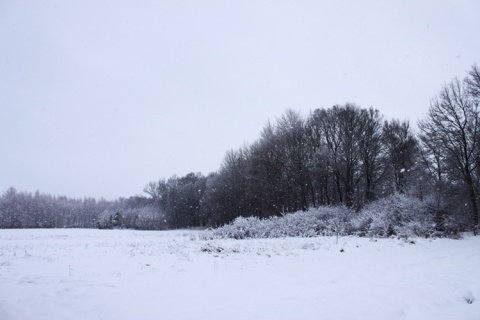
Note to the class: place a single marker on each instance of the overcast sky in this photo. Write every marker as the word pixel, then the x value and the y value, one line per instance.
pixel 97 98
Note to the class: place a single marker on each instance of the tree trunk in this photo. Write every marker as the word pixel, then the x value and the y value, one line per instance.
pixel 440 220
pixel 474 207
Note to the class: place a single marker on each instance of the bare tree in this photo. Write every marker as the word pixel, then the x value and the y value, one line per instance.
pixel 453 121
pixel 401 149
pixel 434 161
pixel 342 128
pixel 291 132
pixel 371 149
pixel 473 82
pixel 473 85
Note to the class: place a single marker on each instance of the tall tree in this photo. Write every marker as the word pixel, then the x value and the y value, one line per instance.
pixel 434 161
pixel 267 185
pixel 473 85
pixel 291 132
pixel 453 120
pixel 401 151
pixel 345 151
pixel 341 128
pixel 371 149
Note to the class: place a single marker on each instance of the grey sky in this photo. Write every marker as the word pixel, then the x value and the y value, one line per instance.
pixel 97 98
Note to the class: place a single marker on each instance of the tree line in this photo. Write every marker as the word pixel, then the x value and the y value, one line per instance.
pixel 27 210
pixel 345 155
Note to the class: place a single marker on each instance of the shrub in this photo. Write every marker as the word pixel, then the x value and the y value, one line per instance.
pixel 315 222
pixel 396 215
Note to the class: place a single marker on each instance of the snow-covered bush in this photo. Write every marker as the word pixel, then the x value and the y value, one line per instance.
pixel 108 220
pixel 144 218
pixel 315 222
pixel 397 215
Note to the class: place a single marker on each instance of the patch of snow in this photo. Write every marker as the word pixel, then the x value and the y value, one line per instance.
pixel 124 274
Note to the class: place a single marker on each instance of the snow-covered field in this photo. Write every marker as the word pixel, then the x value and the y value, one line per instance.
pixel 124 274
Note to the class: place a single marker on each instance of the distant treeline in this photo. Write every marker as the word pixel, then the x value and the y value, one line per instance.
pixel 27 210
pixel 341 156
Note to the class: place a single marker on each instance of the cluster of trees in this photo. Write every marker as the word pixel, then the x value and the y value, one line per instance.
pixel 27 210
pixel 181 199
pixel 341 156
pixel 344 155
pixel 450 148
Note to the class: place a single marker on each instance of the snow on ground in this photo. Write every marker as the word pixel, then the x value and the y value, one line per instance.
pixel 124 274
